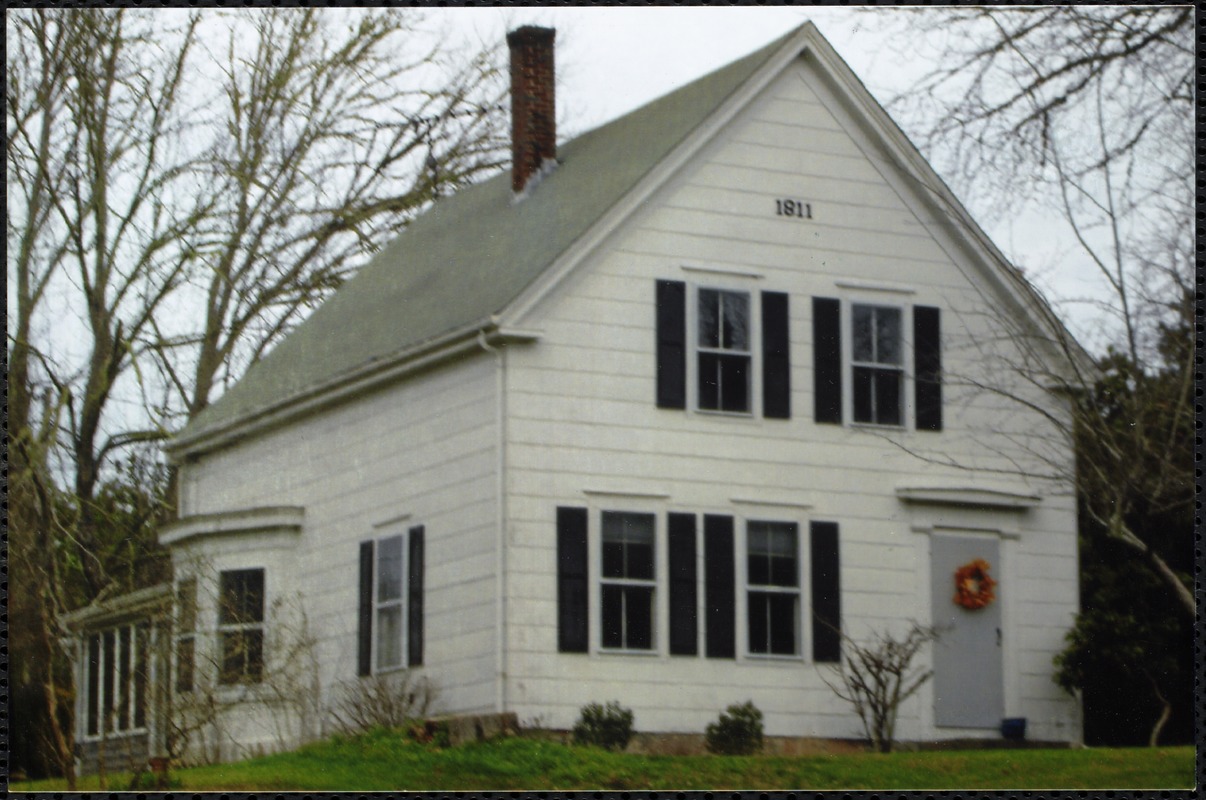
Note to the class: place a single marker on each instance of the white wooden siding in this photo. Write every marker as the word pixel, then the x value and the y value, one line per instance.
pixel 581 416
pixel 425 450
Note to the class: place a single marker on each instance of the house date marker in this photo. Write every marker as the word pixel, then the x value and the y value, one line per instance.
pixel 793 208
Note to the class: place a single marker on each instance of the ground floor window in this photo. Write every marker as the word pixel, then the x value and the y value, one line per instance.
pixel 773 578
pixel 115 680
pixel 241 626
pixel 627 590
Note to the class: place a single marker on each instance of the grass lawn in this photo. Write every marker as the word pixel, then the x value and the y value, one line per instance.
pixel 383 761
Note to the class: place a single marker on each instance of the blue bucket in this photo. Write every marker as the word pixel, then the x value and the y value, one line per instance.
pixel 1013 728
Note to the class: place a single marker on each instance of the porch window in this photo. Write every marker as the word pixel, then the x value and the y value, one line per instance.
pixel 115 680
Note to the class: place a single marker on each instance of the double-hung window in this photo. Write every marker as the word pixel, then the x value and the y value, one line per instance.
pixel 627 587
pixel 186 634
pixel 115 680
pixel 724 353
pixel 241 625
pixel 773 581
pixel 878 367
pixel 388 603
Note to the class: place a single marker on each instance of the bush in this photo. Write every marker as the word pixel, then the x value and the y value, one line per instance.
pixel 738 732
pixel 391 701
pixel 608 726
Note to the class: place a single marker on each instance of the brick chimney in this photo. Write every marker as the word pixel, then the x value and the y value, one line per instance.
pixel 533 104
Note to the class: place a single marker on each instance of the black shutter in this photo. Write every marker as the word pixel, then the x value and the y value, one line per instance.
pixel 571 580
pixel 364 636
pixel 684 624
pixel 776 359
pixel 414 604
pixel 927 361
pixel 827 359
pixel 719 594
pixel 826 593
pixel 671 344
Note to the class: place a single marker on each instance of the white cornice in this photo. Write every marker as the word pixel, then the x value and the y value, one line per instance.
pixel 138 604
pixel 266 519
pixel 371 376
pixel 968 496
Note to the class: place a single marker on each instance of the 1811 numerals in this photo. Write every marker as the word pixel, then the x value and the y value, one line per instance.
pixel 788 207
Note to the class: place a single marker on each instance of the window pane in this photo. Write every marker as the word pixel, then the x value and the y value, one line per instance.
pixel 759 641
pixel 94 669
pixel 242 656
pixel 186 606
pixel 887 396
pixel 709 381
pixel 863 408
pixel 759 568
pixel 638 601
pixel 887 335
pixel 736 321
pixel 782 623
pixel 863 338
pixel 123 679
pixel 734 383
pixel 242 597
pixel 772 553
pixel 628 545
pixel 389 568
pixel 107 654
pixel 255 655
pixel 389 637
pixel 709 318
pixel 185 659
pixel 141 651
pixel 613 616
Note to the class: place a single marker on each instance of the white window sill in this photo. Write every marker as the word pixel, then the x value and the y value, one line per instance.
pixel 620 651
pixel 878 426
pixel 112 735
pixel 712 412
pixel 774 658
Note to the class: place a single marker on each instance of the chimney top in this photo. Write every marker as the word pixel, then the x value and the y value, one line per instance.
pixel 533 104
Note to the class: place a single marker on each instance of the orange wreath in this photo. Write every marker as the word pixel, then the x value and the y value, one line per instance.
pixel 973 585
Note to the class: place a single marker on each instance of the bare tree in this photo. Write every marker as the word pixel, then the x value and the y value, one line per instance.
pixel 162 235
pixel 877 676
pixel 1087 111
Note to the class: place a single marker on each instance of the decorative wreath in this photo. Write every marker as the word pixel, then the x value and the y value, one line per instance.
pixel 974 586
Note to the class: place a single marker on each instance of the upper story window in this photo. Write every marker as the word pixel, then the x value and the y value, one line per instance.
pixel 773 580
pixel 724 350
pixel 241 625
pixel 628 582
pixel 877 364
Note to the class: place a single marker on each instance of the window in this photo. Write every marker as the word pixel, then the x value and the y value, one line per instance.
pixel 186 634
pixel 391 602
pixel 773 579
pixel 878 369
pixel 115 680
pixel 723 350
pixel 241 625
pixel 627 580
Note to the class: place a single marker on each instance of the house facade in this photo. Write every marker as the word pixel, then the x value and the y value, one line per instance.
pixel 664 416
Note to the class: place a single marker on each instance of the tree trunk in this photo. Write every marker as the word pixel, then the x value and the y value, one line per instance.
pixel 1185 600
pixel 1165 712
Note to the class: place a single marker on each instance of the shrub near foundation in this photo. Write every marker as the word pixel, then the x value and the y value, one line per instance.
pixel 738 732
pixel 607 726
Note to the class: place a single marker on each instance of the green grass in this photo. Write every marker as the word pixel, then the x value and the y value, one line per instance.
pixel 388 761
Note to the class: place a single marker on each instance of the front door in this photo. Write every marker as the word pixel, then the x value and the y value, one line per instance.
pixel 968 691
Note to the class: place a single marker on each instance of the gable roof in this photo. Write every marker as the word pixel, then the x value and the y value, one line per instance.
pixel 471 254
pixel 477 254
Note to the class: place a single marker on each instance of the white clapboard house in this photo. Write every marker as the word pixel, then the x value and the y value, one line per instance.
pixel 660 417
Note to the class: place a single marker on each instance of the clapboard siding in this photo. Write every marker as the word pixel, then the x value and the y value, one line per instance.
pixel 582 419
pixel 425 448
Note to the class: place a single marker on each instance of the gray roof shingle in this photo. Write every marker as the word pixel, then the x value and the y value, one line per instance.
pixel 473 253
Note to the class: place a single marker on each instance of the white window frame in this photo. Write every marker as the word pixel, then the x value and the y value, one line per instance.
pixel 401 603
pixel 225 628
pixel 737 283
pixel 106 709
pixel 881 298
pixel 652 584
pixel 751 588
pixel 185 634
